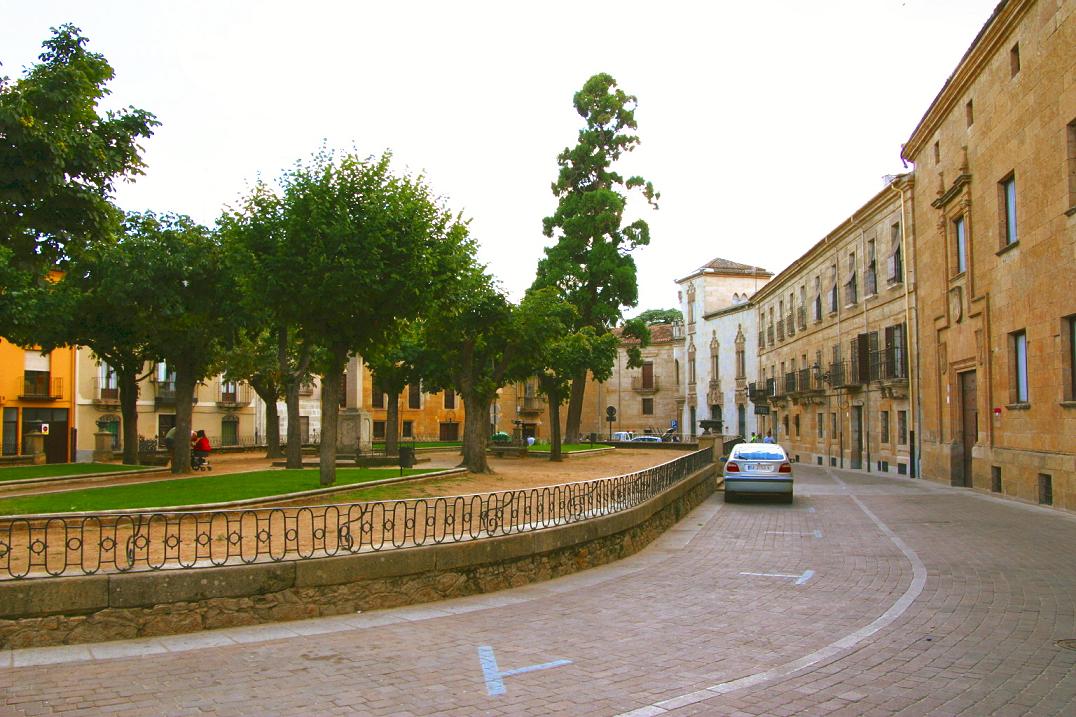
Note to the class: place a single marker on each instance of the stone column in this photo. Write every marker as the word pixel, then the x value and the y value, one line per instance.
pixel 713 440
pixel 102 447
pixel 33 444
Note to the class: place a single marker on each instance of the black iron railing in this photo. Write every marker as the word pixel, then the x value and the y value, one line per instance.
pixel 65 545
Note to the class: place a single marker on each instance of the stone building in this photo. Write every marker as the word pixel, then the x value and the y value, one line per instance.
pixel 223 409
pixel 995 199
pixel 719 345
pixel 423 416
pixel 835 352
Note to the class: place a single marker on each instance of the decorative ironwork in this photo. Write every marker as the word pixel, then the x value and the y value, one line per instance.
pixel 66 545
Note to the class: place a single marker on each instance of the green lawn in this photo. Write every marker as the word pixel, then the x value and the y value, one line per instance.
pixel 190 491
pixel 58 470
pixel 568 447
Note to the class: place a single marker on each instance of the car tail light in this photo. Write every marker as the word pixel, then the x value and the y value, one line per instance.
pixel 786 467
pixel 732 467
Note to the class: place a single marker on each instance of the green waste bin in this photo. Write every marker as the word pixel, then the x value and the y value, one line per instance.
pixel 407 456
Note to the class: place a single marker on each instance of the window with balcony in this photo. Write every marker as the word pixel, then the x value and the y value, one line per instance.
pixel 229 392
pixel 108 383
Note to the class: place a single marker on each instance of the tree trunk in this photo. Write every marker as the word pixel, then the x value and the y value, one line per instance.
pixel 128 385
pixel 295 432
pixel 268 392
pixel 330 417
pixel 554 430
pixel 575 407
pixel 184 400
pixel 392 425
pixel 475 434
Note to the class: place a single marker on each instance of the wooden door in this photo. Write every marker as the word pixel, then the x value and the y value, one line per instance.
pixel 648 375
pixel 857 436
pixel 969 427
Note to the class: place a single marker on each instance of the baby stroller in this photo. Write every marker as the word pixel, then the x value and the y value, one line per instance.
pixel 200 461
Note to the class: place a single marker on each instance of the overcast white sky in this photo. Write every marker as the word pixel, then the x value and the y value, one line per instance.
pixel 763 124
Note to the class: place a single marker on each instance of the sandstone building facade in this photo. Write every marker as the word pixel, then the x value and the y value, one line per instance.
pixel 995 199
pixel 836 356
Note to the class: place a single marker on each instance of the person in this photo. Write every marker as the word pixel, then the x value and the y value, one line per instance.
pixel 754 437
pixel 170 444
pixel 201 447
pixel 768 438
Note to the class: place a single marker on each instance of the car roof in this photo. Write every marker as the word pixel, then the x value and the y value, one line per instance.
pixel 758 448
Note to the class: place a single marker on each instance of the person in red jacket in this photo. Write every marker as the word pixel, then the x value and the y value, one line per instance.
pixel 201 449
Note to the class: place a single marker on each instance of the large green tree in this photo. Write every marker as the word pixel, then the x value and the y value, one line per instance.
pixel 254 235
pixel 475 341
pixel 59 160
pixel 393 365
pixel 660 316
pixel 359 252
pixel 187 297
pixel 590 264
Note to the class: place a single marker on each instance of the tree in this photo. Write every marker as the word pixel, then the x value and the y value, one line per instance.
pixel 590 264
pixel 59 159
pixel 393 364
pixel 255 238
pixel 185 295
pixel 660 316
pixel 253 358
pixel 358 253
pixel 475 341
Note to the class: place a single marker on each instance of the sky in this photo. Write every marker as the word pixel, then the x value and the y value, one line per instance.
pixel 763 124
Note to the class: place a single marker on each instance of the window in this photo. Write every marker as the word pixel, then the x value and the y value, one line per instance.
pixel 229 392
pixel 883 426
pixel 1072 164
pixel 377 400
pixel 820 425
pixel 1018 370
pixel 818 298
pixel 902 428
pixel 896 261
pixel 834 296
pixel 414 396
pixel 408 429
pixel 229 431
pixel 108 390
pixel 969 113
pixel 833 425
pixel 796 424
pixel 1014 60
pixel 450 399
pixel 1068 356
pixel 937 153
pixel 379 430
pixel 741 362
pixel 870 276
pixel 648 407
pixel 716 367
pixel 1007 201
pixel 691 367
pixel 676 368
pixel 960 245
pixel 851 288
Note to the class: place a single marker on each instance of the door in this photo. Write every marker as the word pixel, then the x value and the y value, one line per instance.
pixel 304 429
pixel 857 437
pixel 450 432
pixel 56 442
pixel 969 427
pixel 741 420
pixel 648 375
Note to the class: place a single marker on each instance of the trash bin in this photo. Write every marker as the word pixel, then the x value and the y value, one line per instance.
pixel 407 456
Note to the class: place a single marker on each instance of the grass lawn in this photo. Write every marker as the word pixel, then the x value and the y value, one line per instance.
pixel 568 447
pixel 57 470
pixel 190 491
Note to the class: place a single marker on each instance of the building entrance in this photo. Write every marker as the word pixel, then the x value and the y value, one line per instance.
pixel 857 437
pixel 969 428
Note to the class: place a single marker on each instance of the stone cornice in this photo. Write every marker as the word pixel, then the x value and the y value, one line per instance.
pixel 952 191
pixel 990 38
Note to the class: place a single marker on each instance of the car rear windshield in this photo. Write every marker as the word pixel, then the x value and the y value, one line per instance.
pixel 759 455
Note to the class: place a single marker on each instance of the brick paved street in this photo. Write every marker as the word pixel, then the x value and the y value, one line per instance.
pixel 867 596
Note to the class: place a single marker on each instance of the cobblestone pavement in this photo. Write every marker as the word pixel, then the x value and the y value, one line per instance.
pixel 867 596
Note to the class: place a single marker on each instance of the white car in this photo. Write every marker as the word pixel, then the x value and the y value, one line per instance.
pixel 758 468
pixel 623 436
pixel 646 438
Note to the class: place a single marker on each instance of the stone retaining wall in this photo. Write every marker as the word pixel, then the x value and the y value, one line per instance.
pixel 117 606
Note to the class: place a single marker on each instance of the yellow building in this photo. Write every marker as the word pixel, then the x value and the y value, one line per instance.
pixel 995 205
pixel 37 391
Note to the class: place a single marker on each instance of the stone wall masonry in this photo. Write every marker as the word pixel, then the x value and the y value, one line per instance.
pixel 122 606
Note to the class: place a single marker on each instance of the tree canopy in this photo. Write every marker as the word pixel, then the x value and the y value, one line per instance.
pixel 60 158
pixel 590 264
pixel 660 316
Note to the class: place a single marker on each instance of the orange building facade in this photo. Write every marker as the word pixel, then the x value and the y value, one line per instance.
pixel 37 394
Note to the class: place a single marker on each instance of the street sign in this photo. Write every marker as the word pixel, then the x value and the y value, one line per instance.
pixel 610 413
pixel 762 410
pixel 45 428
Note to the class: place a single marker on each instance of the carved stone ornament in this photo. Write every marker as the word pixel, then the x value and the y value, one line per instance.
pixel 956 303
pixel 943 358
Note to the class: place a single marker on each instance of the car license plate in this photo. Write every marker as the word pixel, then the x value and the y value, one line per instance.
pixel 751 467
pixel 759 467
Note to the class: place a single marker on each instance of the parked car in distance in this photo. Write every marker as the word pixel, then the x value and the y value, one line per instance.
pixel 758 469
pixel 623 436
pixel 648 438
